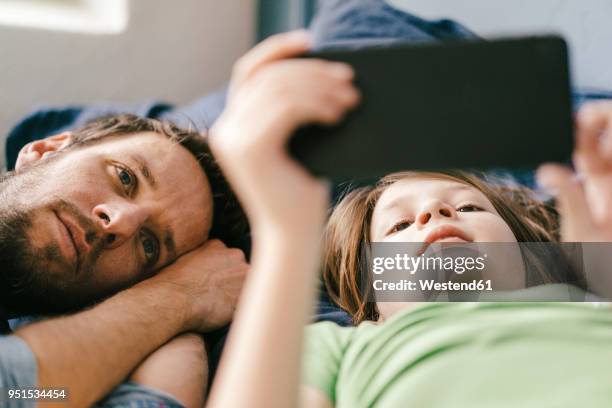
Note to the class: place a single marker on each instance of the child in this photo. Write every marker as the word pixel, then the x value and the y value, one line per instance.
pixel 484 208
pixel 437 354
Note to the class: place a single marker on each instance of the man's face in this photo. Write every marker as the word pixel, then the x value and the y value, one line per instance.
pixel 101 217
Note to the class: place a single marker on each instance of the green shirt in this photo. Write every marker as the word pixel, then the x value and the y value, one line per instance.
pixel 467 355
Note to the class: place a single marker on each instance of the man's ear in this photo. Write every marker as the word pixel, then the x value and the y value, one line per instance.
pixel 39 149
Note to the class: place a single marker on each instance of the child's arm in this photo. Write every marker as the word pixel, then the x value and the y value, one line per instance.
pixel 270 98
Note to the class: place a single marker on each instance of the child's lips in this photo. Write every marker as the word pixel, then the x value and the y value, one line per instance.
pixel 444 233
pixel 451 239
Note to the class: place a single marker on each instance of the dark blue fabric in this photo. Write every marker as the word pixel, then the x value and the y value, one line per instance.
pixel 200 114
pixel 18 370
pixel 46 122
pixel 582 96
pixel 38 125
pixel 364 23
pixel 328 312
pixel 134 395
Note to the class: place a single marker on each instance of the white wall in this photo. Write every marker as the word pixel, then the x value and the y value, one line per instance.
pixel 171 50
pixel 586 24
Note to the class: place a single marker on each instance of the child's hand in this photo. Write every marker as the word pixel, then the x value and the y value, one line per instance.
pixel 270 98
pixel 585 197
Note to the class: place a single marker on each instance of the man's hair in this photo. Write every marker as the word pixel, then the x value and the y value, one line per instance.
pixel 229 223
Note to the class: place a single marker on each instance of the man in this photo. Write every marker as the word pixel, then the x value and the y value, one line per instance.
pixel 93 211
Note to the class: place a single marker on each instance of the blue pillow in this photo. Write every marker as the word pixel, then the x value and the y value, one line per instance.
pixel 357 24
pixel 45 122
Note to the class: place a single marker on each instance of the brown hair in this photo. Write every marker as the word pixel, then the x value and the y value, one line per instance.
pixel 529 218
pixel 228 222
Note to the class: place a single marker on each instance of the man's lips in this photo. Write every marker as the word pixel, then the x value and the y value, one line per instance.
pixel 66 243
pixel 446 233
pixel 77 240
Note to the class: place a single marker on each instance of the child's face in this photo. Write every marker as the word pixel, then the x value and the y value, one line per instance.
pixel 426 209
pixel 420 209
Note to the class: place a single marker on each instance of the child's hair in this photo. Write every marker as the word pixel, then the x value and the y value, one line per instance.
pixel 531 220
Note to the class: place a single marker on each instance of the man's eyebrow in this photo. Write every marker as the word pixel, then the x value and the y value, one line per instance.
pixel 143 167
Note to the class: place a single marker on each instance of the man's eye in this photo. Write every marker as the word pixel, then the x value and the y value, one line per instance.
pixel 469 208
pixel 150 247
pixel 402 225
pixel 126 178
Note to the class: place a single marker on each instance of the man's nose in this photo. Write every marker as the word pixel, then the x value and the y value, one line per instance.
pixel 119 221
pixel 435 209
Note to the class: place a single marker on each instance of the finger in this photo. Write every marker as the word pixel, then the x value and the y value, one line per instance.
pixel 343 99
pixel 606 145
pixel 274 48
pixel 336 93
pixel 592 154
pixel 330 103
pixel 309 68
pixel 323 93
pixel 598 117
pixel 576 218
pixel 333 78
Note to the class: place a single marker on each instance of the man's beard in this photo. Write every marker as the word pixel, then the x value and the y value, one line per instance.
pixel 19 284
pixel 27 286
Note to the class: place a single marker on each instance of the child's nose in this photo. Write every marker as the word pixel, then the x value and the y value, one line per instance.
pixel 435 209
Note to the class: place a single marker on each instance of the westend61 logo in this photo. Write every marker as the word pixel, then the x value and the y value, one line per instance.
pixel 485 271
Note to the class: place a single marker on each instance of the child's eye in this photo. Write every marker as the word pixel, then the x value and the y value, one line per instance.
pixel 469 208
pixel 402 225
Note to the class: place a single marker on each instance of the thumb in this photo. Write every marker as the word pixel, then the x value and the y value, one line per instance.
pixel 560 181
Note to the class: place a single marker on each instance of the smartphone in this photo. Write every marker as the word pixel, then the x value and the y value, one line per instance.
pixel 503 103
